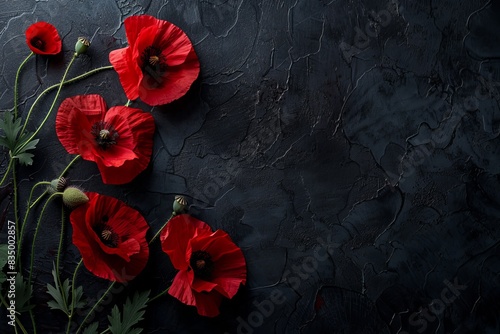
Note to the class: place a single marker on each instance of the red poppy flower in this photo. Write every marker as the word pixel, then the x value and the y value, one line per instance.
pixel 111 238
pixel 43 39
pixel 120 140
pixel 160 63
pixel 210 265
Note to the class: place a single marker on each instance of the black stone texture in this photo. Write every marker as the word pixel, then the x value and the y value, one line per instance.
pixel 350 148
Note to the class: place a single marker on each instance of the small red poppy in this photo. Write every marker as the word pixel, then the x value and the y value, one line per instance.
pixel 111 238
pixel 119 140
pixel 43 39
pixel 160 63
pixel 210 265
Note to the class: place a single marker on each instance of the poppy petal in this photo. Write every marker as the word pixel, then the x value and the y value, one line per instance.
pixel 132 129
pixel 73 123
pixel 176 236
pixel 207 304
pixel 180 239
pixel 177 79
pixel 173 64
pixel 129 257
pixel 181 288
pixel 43 39
pixel 229 263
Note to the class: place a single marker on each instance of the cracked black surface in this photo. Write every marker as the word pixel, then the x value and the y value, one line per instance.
pixel 348 147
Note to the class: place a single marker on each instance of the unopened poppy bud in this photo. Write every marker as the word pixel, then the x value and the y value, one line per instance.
pixel 180 205
pixel 57 185
pixel 73 197
pixel 82 44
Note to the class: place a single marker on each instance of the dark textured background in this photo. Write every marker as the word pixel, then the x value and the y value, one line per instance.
pixel 348 147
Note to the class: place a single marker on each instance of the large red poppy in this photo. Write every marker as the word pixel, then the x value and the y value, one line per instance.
pixel 43 39
pixel 210 265
pixel 119 140
pixel 111 238
pixel 160 63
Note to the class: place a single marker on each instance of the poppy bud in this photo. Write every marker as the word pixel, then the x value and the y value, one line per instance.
pixel 81 46
pixel 73 197
pixel 180 205
pixel 57 185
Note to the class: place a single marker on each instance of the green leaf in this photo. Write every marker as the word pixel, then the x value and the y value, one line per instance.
pixel 24 158
pixel 91 329
pixel 79 303
pixel 133 312
pixel 61 295
pixel 11 130
pixel 23 294
pixel 17 143
pixel 3 262
pixel 27 145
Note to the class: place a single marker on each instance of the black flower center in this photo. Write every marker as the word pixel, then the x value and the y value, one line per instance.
pixel 38 43
pixel 202 265
pixel 106 233
pixel 104 134
pixel 154 65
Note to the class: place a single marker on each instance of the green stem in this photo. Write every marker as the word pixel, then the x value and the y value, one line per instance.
pixel 38 199
pixel 23 224
pixel 4 302
pixel 94 307
pixel 159 295
pixel 36 233
pixel 69 165
pixel 61 236
pixel 32 316
pixel 11 162
pixel 73 283
pixel 128 103
pixel 16 83
pixel 51 107
pixel 158 233
pixel 48 89
pixel 30 206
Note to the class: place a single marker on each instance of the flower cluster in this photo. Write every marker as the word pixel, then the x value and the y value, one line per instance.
pixel 158 66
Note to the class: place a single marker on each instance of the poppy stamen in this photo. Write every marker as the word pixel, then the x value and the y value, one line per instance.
pixel 104 134
pixel 106 234
pixel 154 65
pixel 153 60
pixel 202 265
pixel 38 43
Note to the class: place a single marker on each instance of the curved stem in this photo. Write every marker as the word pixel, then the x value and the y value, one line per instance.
pixel 73 283
pixel 32 316
pixel 38 199
pixel 36 233
pixel 158 233
pixel 11 162
pixel 16 82
pixel 51 106
pixel 62 83
pixel 50 88
pixel 159 295
pixel 94 307
pixel 61 237
pixel 69 165
pixel 26 214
